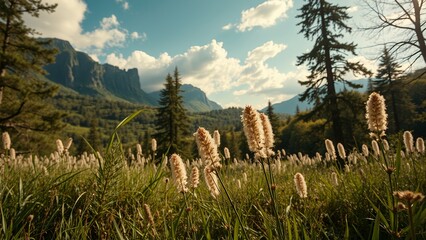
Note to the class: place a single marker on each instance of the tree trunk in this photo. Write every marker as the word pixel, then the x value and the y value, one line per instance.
pixel 331 90
pixel 418 29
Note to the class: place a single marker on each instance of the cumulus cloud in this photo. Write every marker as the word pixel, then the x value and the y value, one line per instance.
pixel 123 3
pixel 228 26
pixel 206 66
pixel 136 36
pixel 264 15
pixel 210 68
pixel 65 23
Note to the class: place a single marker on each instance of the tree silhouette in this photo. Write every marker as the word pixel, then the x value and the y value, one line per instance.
pixel 24 108
pixel 402 22
pixel 390 82
pixel 324 23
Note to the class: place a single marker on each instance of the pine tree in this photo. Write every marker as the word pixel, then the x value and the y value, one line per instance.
pixel 172 122
pixel 324 23
pixel 273 118
pixel 24 109
pixel 387 72
pixel 389 82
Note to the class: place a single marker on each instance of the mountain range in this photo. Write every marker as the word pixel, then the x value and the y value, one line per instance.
pixel 291 105
pixel 78 71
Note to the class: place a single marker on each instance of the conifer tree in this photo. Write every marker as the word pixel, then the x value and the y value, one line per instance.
pixel 23 96
pixel 172 122
pixel 273 118
pixel 389 83
pixel 324 23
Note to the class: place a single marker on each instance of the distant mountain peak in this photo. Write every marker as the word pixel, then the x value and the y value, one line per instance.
pixel 78 71
pixel 195 100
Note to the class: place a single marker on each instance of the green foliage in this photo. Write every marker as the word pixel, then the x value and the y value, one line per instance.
pixel 71 202
pixel 24 111
pixel 324 23
pixel 390 84
pixel 172 122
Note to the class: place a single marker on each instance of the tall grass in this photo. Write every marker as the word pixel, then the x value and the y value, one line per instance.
pixel 108 196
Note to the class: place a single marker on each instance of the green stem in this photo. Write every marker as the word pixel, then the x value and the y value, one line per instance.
pixel 389 173
pixel 410 219
pixel 271 193
pixel 232 204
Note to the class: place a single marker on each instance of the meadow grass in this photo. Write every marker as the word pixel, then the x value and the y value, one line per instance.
pixel 116 195
pixel 69 197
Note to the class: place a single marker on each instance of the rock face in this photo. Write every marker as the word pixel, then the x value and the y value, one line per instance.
pixel 194 99
pixel 78 71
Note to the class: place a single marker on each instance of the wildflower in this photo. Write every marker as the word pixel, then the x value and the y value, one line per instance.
pixel 376 114
pixel 330 149
pixel 408 142
pixel 269 134
pixel 179 172
pixel 409 196
pixel 341 150
pixel 6 140
pixel 139 149
pixel 385 145
pixel 68 144
pixel 12 154
pixel 365 150
pixel 59 146
pixel 195 177
pixel 207 148
pixel 420 145
pixel 226 152
pixel 299 182
pixel 253 131
pixel 211 181
pixel 153 145
pixel 245 177
pixel 401 206
pixel 334 179
pixel 375 147
pixel 149 214
pixel 216 137
pixel 347 168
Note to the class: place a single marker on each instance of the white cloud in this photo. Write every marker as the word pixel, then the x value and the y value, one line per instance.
pixel 65 23
pixel 353 9
pixel 228 26
pixel 207 67
pixel 210 68
pixel 264 15
pixel 125 4
pixel 136 36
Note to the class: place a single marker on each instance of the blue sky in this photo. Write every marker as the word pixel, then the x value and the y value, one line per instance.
pixel 240 52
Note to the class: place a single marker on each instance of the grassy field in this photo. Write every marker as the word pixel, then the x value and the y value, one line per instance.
pixel 376 192
pixel 93 197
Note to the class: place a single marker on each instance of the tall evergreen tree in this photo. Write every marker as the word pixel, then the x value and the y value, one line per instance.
pixel 273 118
pixel 324 23
pixel 24 110
pixel 387 72
pixel 172 122
pixel 389 82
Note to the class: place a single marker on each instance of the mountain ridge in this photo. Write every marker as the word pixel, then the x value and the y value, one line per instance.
pixel 76 70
